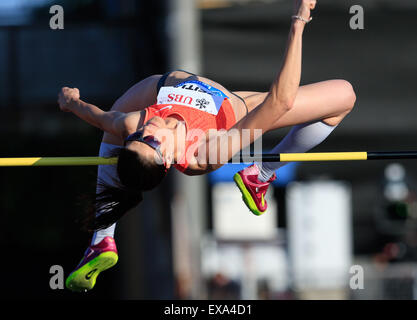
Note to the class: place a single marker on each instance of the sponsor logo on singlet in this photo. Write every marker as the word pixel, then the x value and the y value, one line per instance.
pixel 192 95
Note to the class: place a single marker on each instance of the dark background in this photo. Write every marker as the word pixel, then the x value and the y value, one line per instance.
pixel 107 46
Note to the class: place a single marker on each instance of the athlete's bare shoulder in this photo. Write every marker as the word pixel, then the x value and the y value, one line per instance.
pixel 129 123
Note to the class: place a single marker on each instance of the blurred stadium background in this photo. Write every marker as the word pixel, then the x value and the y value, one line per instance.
pixel 192 238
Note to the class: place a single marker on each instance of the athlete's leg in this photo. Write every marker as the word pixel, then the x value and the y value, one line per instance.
pixel 138 97
pixel 301 138
pixel 108 175
pixel 317 110
pixel 312 125
pixel 329 101
pixel 102 252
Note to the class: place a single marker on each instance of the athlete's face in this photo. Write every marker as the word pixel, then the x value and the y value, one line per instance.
pixel 169 132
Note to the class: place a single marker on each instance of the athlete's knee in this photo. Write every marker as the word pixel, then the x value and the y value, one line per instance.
pixel 347 94
pixel 346 98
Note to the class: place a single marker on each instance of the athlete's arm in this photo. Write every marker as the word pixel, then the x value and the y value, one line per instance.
pixel 277 102
pixel 114 122
pixel 136 98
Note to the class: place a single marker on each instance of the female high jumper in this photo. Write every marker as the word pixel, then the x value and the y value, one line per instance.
pixel 164 121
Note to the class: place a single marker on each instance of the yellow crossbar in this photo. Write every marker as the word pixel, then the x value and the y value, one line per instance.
pixel 57 161
pixel 324 156
pixel 266 157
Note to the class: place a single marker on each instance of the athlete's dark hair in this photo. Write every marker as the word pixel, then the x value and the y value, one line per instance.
pixel 136 175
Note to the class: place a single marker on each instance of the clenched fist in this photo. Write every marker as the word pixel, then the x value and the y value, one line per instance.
pixel 304 7
pixel 66 97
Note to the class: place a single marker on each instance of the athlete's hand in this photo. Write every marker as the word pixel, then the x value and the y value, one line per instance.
pixel 303 8
pixel 66 98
